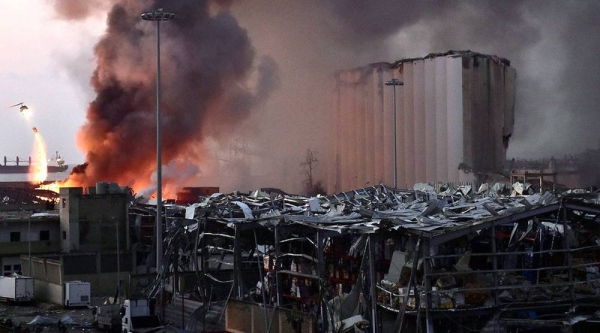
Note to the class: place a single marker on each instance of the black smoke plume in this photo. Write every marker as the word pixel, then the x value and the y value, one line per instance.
pixel 207 61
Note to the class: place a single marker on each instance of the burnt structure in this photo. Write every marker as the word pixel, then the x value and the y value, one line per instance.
pixel 382 259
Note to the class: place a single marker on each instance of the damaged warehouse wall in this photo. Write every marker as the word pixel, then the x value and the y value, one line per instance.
pixel 454 116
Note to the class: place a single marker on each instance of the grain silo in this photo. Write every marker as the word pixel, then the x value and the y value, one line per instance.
pixel 454 115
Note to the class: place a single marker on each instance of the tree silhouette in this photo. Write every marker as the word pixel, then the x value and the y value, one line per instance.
pixel 309 165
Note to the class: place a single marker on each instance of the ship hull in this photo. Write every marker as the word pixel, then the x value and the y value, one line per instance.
pixel 25 169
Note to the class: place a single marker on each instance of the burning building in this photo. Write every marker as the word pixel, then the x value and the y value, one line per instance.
pixel 453 115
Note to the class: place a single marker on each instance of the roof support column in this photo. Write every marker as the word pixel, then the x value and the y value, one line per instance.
pixel 428 295
pixel 568 252
pixel 372 285
pixel 237 267
pixel 495 263
pixel 321 274
pixel 277 265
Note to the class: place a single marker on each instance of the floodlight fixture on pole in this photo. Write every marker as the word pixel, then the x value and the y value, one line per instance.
pixel 394 83
pixel 157 16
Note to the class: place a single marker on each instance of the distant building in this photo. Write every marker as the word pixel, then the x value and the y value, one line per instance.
pixel 568 171
pixel 24 232
pixel 454 119
pixel 190 195
pixel 79 234
pixel 89 242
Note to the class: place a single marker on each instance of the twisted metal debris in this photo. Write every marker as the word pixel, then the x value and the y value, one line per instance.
pixel 222 239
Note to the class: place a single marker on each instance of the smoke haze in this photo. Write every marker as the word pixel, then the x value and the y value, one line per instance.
pixel 222 61
pixel 551 45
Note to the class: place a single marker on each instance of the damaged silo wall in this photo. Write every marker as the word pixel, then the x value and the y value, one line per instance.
pixel 489 100
pixel 454 109
pixel 362 132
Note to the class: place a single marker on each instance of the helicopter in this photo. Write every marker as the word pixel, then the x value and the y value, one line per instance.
pixel 22 107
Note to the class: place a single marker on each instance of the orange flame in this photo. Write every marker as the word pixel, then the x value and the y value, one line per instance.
pixel 55 187
pixel 38 170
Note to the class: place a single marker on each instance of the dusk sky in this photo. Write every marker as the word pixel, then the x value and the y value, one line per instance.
pixel 48 61
pixel 47 64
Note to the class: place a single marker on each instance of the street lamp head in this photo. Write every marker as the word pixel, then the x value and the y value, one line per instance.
pixel 158 15
pixel 394 82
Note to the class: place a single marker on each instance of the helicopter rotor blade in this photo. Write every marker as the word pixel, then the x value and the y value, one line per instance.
pixel 12 106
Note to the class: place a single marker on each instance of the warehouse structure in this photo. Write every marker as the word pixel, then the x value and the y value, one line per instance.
pixel 454 116
pixel 380 259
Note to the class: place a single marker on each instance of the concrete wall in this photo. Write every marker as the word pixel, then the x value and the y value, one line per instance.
pixel 101 272
pixel 99 269
pixel 100 216
pixel 48 278
pixel 92 222
pixel 489 99
pixel 37 247
pixel 360 130
pixel 48 292
pixel 69 217
pixel 101 285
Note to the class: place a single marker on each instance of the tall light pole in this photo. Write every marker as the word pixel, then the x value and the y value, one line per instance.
pixel 394 83
pixel 118 259
pixel 29 243
pixel 157 16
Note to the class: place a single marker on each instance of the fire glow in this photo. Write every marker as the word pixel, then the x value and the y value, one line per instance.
pixel 38 170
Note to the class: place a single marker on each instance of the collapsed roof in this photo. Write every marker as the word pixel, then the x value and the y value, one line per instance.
pixel 223 236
